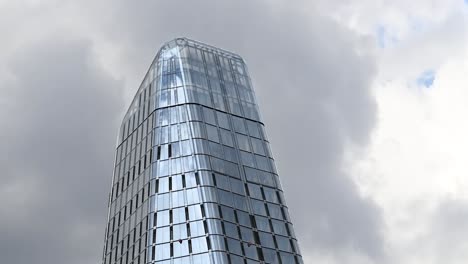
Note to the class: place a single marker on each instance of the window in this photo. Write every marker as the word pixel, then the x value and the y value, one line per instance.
pixel 237 186
pixel 257 145
pixel 209 116
pixel 214 226
pixel 163 117
pixel 177 199
pixel 223 120
pixel 169 151
pixel 230 154
pixel 194 212
pixel 174 133
pixel 162 235
pixel 239 202
pixel 185 148
pixel 174 115
pixel 180 231
pixel 262 223
pixel 283 243
pixel 262 163
pixel 271 256
pixel 197 129
pixel 197 228
pixel 180 248
pixel 184 131
pixel 192 196
pixel 243 142
pixel 162 218
pixel 226 137
pixel 234 246
pixel 216 149
pixel 270 195
pixel 164 135
pixel 163 201
pixel 239 125
pixel 212 132
pixel 228 214
pixel 190 180
pixel 246 234
pixel 275 211
pixel 177 182
pixel 175 149
pixel 225 198
pixel 199 246
pixel 247 159
pixel 243 218
pixel 218 101
pixel 258 207
pixel 231 230
pixel 279 227
pixel 164 152
pixel 287 258
pixel 163 185
pixel 222 182
pixel 163 251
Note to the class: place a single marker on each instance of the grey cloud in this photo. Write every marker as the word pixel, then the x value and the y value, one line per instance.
pixel 312 81
pixel 448 229
pixel 56 149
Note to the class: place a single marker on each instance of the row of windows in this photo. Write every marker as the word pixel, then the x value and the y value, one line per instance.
pixel 167 134
pixel 184 148
pixel 236 249
pixel 192 216
pixel 211 57
pixel 232 235
pixel 178 249
pixel 193 112
pixel 265 174
pixel 261 208
pixel 177 132
pixel 169 189
pixel 189 180
pixel 268 256
pixel 193 94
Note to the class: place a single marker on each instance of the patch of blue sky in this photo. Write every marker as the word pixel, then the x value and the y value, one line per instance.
pixel 426 78
pixel 380 32
pixel 384 37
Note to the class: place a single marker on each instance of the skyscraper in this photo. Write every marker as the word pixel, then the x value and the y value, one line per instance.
pixel 194 178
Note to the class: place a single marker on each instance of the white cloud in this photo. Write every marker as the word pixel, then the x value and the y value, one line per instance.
pixel 417 157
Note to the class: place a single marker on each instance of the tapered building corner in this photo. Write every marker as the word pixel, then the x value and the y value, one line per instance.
pixel 194 178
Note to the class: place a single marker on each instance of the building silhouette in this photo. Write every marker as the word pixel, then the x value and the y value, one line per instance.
pixel 194 178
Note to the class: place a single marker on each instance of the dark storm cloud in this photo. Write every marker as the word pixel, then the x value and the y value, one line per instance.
pixel 313 86
pixel 57 142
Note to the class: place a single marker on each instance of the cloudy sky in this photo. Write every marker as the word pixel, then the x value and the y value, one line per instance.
pixel 365 104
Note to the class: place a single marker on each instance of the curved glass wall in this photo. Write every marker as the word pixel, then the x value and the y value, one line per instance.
pixel 194 178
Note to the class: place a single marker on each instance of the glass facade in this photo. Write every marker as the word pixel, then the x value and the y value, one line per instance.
pixel 194 178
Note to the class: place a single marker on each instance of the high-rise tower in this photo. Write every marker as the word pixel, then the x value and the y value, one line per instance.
pixel 194 178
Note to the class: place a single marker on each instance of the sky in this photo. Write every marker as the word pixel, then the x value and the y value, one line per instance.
pixel 364 103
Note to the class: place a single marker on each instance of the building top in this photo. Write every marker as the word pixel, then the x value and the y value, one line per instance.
pixel 166 52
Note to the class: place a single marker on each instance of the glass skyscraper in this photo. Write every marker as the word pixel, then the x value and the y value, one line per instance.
pixel 194 178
